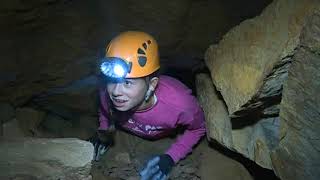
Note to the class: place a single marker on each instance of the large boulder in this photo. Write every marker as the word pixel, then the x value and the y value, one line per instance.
pixel 52 159
pixel 297 155
pixel 218 123
pixel 253 140
pixel 250 63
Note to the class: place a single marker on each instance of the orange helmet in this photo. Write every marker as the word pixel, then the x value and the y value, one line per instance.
pixel 131 54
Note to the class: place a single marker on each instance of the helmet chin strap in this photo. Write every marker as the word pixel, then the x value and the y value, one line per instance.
pixel 148 95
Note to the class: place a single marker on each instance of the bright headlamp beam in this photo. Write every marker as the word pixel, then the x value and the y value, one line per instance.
pixel 114 68
pixel 118 70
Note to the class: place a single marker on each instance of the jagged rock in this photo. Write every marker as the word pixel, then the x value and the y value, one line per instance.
pixel 52 159
pixel 256 141
pixel 250 63
pixel 218 124
pixel 297 156
pixel 254 138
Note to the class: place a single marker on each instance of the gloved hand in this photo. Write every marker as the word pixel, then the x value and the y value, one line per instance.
pixel 101 142
pixel 157 168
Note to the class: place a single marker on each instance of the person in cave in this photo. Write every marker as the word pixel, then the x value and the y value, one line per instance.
pixel 137 99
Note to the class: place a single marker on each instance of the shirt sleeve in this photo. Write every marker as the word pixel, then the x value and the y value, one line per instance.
pixel 195 129
pixel 103 111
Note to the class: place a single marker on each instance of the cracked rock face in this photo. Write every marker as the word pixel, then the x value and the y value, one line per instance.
pixel 263 100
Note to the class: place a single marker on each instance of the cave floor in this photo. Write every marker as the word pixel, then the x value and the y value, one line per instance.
pixel 127 156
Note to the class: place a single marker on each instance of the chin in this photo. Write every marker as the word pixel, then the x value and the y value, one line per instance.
pixel 122 108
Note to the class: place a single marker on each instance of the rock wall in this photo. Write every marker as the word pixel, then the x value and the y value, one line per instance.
pixel 49 43
pixel 297 155
pixel 263 102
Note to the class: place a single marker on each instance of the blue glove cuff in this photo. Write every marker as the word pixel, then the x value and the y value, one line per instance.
pixel 165 164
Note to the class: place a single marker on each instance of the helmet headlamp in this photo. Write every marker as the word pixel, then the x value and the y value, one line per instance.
pixel 115 68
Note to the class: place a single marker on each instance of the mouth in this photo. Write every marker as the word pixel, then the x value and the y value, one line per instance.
pixel 119 102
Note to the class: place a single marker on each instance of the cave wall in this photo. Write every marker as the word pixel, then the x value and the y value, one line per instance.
pixel 54 42
pixel 50 48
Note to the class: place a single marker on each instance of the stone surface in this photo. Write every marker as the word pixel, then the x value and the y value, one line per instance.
pixel 215 166
pixel 72 100
pixel 250 63
pixel 12 129
pixel 46 44
pixel 6 114
pixel 29 120
pixel 55 126
pixel 254 137
pixel 218 123
pixel 52 159
pixel 298 154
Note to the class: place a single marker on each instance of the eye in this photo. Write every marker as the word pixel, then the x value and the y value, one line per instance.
pixel 128 83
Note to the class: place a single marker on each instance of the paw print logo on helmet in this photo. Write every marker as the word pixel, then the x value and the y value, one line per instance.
pixel 142 58
pixel 138 50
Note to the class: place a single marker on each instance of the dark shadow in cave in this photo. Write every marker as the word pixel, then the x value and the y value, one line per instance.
pixel 256 171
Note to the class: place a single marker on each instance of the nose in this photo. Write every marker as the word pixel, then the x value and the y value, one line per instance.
pixel 116 89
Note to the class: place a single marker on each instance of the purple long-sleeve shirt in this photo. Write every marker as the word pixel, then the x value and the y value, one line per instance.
pixel 175 106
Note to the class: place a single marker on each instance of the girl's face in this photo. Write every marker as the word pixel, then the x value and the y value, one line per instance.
pixel 128 94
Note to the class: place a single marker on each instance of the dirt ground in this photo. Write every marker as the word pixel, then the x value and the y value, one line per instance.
pixel 128 155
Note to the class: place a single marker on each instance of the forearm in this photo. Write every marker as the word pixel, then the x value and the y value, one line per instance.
pixel 184 143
